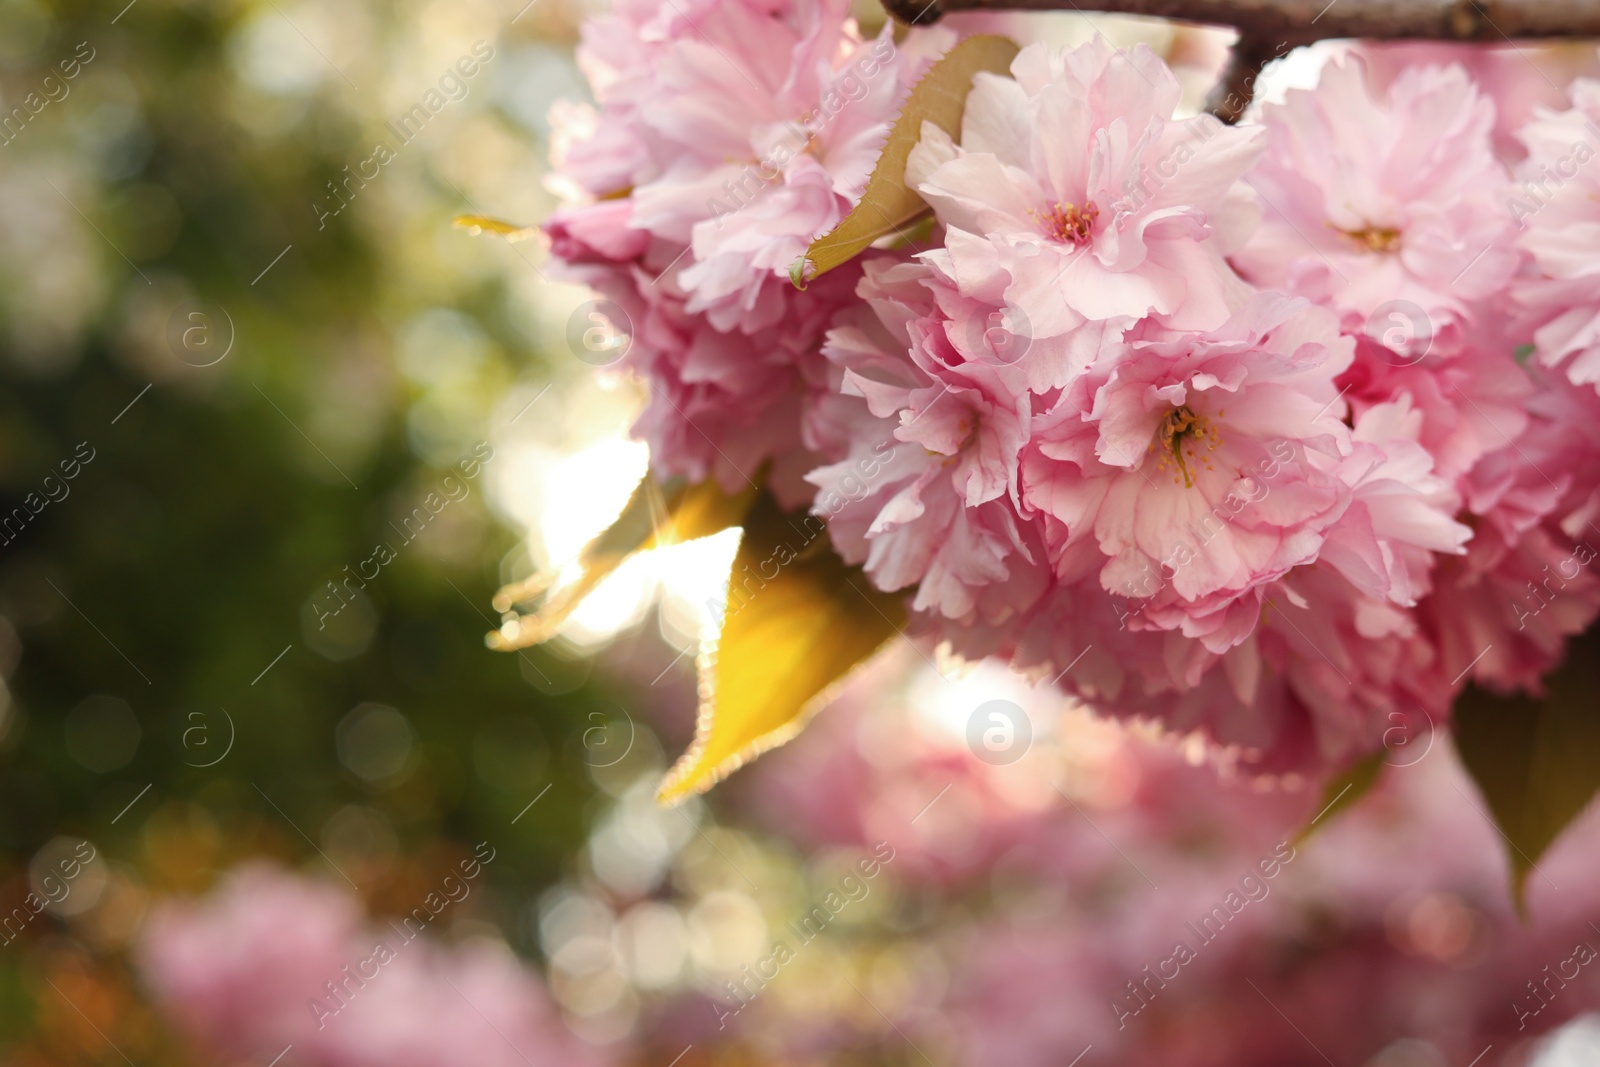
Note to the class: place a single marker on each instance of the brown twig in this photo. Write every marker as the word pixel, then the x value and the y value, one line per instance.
pixel 1232 94
pixel 1298 22
pixel 1269 28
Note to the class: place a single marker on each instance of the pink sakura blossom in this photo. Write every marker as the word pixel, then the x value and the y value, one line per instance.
pixel 1388 930
pixel 1308 686
pixel 1198 522
pixel 1471 399
pixel 1329 664
pixel 1401 514
pixel 720 406
pixel 1502 617
pixel 1520 78
pixel 1054 882
pixel 1372 202
pixel 432 1007
pixel 1182 493
pixel 939 510
pixel 272 959
pixel 729 135
pixel 1077 205
pixel 803 179
pixel 1557 205
pixel 643 53
pixel 1185 437
pixel 1267 507
pixel 234 972
pixel 1501 614
pixel 1335 648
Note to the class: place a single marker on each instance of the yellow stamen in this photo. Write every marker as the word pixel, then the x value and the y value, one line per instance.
pixel 1068 223
pixel 1378 239
pixel 1179 436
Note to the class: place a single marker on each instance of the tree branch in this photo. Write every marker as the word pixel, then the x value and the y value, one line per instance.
pixel 1233 93
pixel 1298 22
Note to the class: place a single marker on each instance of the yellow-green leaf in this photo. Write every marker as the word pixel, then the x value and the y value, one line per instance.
pixel 797 621
pixel 479 224
pixel 888 204
pixel 1343 790
pixel 1536 760
pixel 654 516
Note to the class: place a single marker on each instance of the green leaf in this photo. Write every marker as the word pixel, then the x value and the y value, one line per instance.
pixel 654 516
pixel 1343 790
pixel 797 622
pixel 1536 760
pixel 888 203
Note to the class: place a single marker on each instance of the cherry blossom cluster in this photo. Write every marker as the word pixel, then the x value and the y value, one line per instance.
pixel 1267 431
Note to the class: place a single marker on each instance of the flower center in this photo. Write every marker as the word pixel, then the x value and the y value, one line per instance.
pixel 1068 223
pixel 1184 438
pixel 1373 238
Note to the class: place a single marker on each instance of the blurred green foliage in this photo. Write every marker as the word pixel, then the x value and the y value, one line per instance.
pixel 183 557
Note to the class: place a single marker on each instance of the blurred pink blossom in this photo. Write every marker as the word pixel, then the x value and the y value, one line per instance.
pixel 1057 890
pixel 273 960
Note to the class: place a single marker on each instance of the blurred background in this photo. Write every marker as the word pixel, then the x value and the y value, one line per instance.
pixel 271 433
